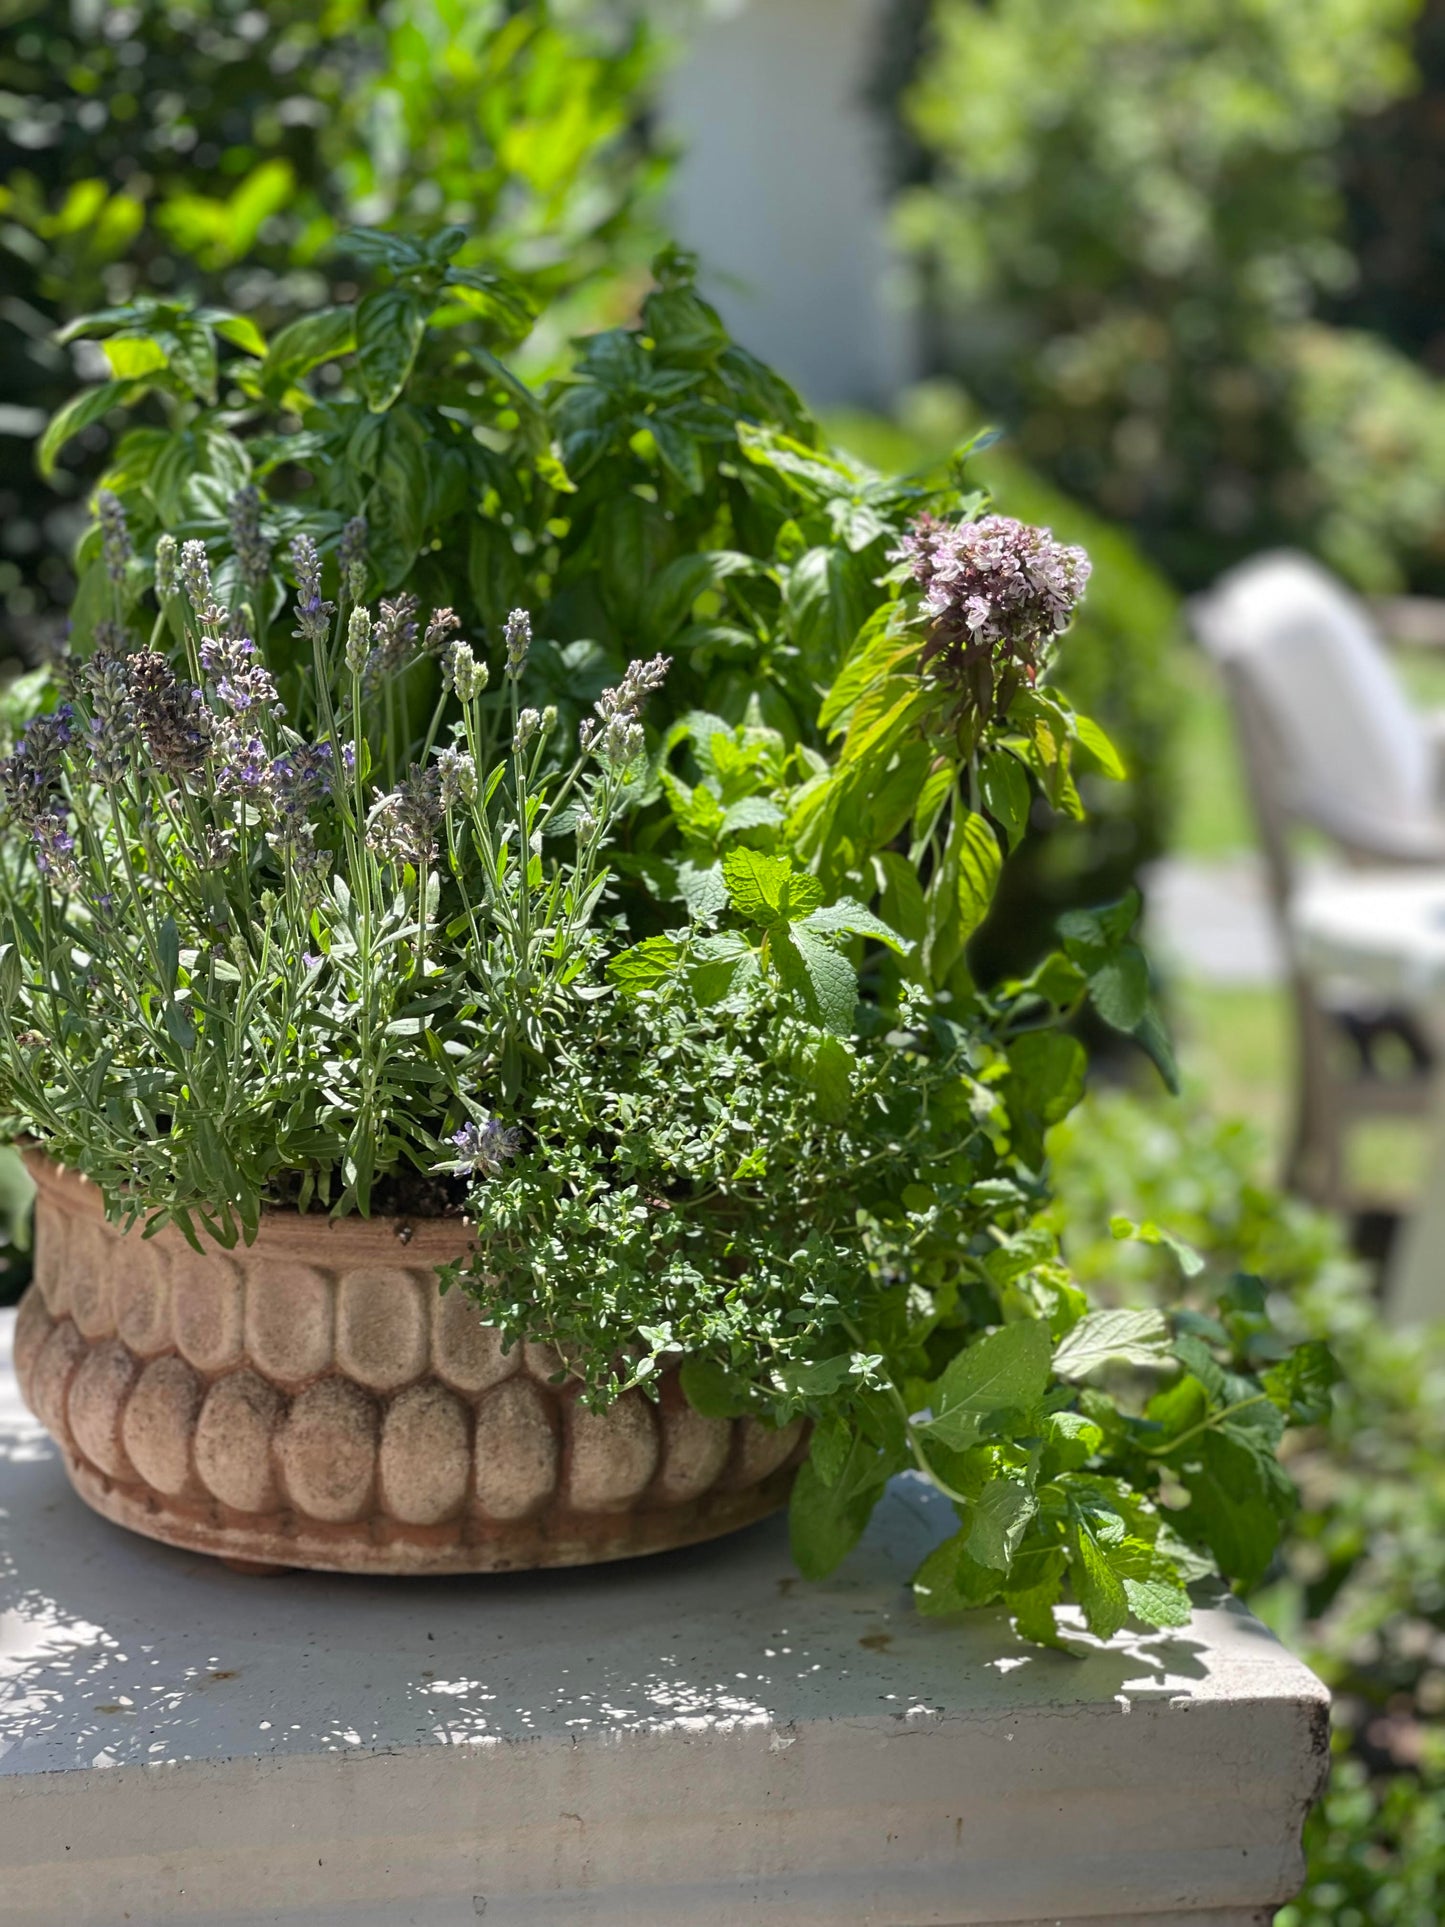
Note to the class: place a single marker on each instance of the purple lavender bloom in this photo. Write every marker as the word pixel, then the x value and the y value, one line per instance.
pixel 243 767
pixel 616 736
pixel 30 777
pixel 401 828
pixel 442 627
pixel 196 580
pixel 457 777
pixel 298 779
pixel 241 681
pixel 55 847
pixel 351 557
pixel 483 1147
pixel 393 638
pixel 517 635
pixel 172 716
pixel 313 616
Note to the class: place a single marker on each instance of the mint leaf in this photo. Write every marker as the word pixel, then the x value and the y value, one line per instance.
pixel 1240 1498
pixel 1300 1384
pixel 1046 1076
pixel 1119 1336
pixel 1006 1370
pixel 853 920
pixel 1119 988
pixel 824 1064
pixel 722 969
pixel 822 980
pixel 950 1581
pixel 1158 1601
pixel 825 1522
pixel 1189 1260
pixel 645 965
pixel 767 889
pixel 1097 1587
pixel 755 883
pixel 998 1521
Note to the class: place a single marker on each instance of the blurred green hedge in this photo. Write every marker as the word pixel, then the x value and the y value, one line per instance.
pixel 1133 222
pixel 220 147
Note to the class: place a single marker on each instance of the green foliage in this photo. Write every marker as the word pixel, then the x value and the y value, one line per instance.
pixel 669 492
pixel 284 920
pixel 1356 1587
pixel 1371 430
pixel 1132 206
pixel 225 150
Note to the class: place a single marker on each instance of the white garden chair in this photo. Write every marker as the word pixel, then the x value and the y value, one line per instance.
pixel 1329 743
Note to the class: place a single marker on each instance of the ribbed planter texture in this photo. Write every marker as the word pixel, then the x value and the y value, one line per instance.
pixel 313 1400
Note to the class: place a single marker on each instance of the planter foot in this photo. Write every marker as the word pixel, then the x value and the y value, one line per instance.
pixel 255 1568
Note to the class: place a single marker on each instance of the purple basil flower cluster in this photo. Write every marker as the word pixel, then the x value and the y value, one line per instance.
pixel 995 593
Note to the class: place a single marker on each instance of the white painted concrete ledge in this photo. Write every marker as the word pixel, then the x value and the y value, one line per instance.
pixel 697 1740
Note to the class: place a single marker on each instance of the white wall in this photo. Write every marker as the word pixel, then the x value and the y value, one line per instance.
pixel 780 190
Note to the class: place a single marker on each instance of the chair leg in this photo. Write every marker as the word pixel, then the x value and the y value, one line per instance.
pixel 1314 1165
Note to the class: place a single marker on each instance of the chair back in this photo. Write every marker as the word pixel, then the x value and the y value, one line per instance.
pixel 1327 732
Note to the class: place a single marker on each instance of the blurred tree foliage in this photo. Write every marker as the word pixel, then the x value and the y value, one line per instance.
pixel 219 146
pixel 1392 173
pixel 1129 211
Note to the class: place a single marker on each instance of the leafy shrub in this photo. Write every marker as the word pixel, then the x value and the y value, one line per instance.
pixel 1356 1589
pixel 308 902
pixel 1370 427
pixel 222 149
pixel 1125 206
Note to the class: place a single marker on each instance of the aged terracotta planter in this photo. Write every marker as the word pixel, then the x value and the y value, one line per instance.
pixel 313 1400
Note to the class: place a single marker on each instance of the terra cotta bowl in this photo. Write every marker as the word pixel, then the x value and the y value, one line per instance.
pixel 313 1400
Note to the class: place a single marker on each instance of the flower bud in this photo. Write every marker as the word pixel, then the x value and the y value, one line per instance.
pixel 358 639
pixel 165 567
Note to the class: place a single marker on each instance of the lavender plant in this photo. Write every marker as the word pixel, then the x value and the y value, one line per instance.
pixel 260 950
pixel 268 941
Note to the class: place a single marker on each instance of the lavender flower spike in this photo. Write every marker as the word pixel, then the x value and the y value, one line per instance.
pixel 165 567
pixel 253 554
pixel 115 540
pixel 313 616
pixel 196 578
pixel 517 634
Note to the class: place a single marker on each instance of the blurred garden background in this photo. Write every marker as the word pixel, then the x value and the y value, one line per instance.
pixel 1186 256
